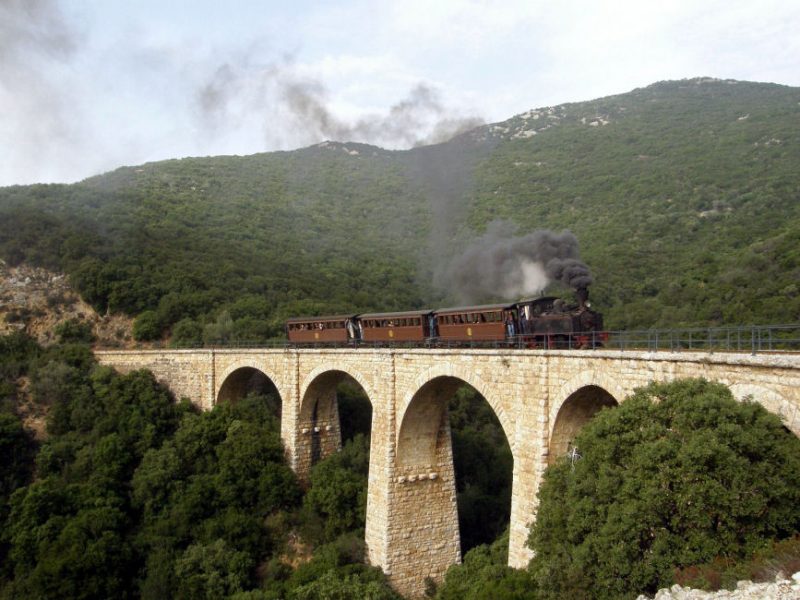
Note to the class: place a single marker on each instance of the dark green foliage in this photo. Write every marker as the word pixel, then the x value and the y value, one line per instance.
pixel 16 456
pixel 187 333
pixel 336 572
pixel 74 331
pixel 17 451
pixel 483 465
pixel 336 502
pixel 764 565
pixel 68 532
pixel 147 326
pixel 67 541
pixel 16 352
pixel 204 496
pixel 484 575
pixel 679 474
pixel 211 571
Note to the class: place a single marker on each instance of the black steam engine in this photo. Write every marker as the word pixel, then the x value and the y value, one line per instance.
pixel 545 322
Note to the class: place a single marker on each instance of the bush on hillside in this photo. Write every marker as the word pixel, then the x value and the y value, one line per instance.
pixel 679 474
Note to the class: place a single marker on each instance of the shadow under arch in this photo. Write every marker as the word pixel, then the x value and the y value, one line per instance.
pixel 245 381
pixel 574 413
pixel 426 459
pixel 327 397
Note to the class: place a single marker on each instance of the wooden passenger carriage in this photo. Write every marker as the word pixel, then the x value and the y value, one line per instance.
pixel 339 329
pixel 491 322
pixel 409 326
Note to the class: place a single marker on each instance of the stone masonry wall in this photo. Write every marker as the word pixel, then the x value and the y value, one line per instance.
pixel 412 529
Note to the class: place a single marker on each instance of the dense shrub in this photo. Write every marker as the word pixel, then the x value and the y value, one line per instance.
pixel 74 331
pixel 485 575
pixel 336 502
pixel 679 474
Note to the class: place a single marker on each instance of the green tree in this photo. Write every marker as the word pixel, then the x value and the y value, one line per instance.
pixel 679 474
pixel 74 331
pixel 485 575
pixel 336 502
pixel 211 571
pixel 147 326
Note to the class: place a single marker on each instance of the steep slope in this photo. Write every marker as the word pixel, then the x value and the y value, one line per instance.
pixel 684 196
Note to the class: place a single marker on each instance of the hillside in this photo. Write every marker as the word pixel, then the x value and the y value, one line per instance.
pixel 36 301
pixel 684 196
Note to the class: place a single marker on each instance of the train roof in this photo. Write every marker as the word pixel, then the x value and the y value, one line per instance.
pixel 536 299
pixel 396 315
pixel 320 318
pixel 481 308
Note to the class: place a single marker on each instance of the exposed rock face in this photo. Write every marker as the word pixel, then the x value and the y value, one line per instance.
pixel 780 589
pixel 36 300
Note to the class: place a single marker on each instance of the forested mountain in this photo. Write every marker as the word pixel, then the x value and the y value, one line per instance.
pixel 684 196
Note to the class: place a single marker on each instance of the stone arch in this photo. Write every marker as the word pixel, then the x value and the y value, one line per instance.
pixel 329 368
pixel 319 427
pixel 423 437
pixel 242 378
pixel 771 400
pixel 424 495
pixel 579 400
pixel 468 377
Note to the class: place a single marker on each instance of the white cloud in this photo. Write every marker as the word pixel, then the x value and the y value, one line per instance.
pixel 112 83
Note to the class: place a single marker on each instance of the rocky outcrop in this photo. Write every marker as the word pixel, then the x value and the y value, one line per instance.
pixel 36 300
pixel 780 589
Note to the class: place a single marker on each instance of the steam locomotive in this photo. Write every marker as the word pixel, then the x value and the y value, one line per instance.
pixel 545 322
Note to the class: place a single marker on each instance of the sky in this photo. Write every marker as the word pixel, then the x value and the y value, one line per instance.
pixel 90 85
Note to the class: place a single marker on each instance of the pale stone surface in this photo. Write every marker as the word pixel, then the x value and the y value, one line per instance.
pixel 541 399
pixel 780 589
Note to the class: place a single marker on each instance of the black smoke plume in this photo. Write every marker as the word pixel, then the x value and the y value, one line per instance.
pixel 238 90
pixel 500 264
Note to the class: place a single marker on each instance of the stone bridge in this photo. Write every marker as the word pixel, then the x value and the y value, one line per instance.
pixel 541 398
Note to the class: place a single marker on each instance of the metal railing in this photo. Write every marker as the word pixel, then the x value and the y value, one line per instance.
pixel 752 339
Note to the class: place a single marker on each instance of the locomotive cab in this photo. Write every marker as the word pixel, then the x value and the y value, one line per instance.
pixel 551 322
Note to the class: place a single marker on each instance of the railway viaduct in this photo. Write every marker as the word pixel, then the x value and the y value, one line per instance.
pixel 541 398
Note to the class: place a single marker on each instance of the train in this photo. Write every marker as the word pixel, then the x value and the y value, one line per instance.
pixel 542 322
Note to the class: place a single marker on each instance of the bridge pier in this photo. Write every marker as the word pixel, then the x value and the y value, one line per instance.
pixel 423 530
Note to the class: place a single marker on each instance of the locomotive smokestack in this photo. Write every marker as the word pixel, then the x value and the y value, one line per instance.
pixel 582 294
